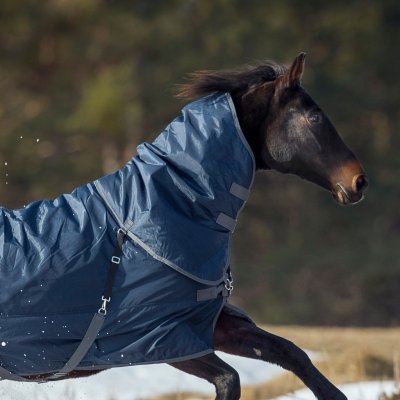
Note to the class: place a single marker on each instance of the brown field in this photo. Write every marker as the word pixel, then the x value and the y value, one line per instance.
pixel 346 355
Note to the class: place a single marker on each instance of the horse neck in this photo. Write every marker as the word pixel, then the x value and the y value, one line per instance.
pixel 252 117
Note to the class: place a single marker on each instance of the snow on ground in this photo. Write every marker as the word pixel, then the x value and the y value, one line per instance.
pixel 135 383
pixel 353 391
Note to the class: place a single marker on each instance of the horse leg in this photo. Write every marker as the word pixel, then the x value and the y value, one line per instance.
pixel 235 333
pixel 214 370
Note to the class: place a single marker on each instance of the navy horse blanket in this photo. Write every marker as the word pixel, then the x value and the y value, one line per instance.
pixel 178 200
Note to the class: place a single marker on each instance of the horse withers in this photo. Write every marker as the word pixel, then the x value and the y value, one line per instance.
pixel 176 203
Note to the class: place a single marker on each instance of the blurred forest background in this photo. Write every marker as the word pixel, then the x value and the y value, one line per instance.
pixel 82 82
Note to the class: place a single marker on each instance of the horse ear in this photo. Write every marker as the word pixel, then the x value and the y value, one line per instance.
pixel 296 69
pixel 293 76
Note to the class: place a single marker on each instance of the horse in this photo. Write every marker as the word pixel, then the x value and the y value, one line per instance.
pixel 281 128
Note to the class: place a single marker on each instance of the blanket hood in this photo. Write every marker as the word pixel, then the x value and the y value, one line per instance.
pixel 181 195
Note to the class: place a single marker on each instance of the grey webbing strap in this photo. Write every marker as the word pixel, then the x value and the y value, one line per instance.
pixel 207 294
pixel 5 374
pixel 84 346
pixel 98 318
pixel 213 292
pixel 87 341
pixel 95 324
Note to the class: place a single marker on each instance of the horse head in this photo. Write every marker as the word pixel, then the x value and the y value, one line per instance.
pixel 286 129
pixel 293 135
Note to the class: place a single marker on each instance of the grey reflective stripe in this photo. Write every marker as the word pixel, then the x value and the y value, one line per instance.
pixel 87 341
pixel 5 374
pixel 239 191
pixel 143 245
pixel 240 132
pixel 226 221
pixel 128 223
pixel 103 195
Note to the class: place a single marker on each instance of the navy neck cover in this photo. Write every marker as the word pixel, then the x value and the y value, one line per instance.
pixel 183 192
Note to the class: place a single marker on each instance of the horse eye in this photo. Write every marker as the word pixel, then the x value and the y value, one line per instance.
pixel 314 118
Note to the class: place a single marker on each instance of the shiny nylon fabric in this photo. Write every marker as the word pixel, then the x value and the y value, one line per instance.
pixel 176 187
pixel 54 254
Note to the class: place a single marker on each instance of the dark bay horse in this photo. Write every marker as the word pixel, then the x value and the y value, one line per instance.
pixel 289 133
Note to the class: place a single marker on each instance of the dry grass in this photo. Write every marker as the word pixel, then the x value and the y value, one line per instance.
pixel 347 355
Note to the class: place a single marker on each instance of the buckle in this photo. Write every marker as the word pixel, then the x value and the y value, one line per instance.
pixel 102 309
pixel 229 286
pixel 115 259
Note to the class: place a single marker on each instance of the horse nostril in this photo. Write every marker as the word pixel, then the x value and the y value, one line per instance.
pixel 360 183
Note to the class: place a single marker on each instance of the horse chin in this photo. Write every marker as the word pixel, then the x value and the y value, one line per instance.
pixel 343 197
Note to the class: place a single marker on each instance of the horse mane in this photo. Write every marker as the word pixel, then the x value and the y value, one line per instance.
pixel 204 82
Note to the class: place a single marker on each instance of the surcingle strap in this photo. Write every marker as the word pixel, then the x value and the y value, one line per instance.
pixel 84 346
pixel 75 359
pixel 5 374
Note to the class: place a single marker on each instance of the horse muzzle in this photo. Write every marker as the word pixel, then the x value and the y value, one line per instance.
pixel 350 194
